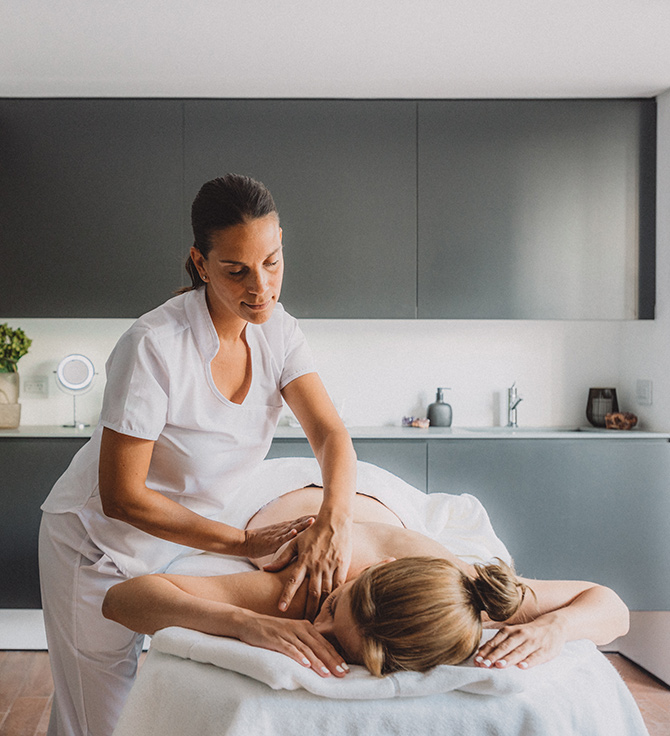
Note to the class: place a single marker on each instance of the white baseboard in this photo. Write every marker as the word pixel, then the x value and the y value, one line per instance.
pixel 23 628
pixel 648 642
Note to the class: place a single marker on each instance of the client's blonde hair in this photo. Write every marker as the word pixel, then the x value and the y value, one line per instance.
pixel 418 612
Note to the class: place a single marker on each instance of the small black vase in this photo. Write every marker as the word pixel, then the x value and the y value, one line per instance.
pixel 601 401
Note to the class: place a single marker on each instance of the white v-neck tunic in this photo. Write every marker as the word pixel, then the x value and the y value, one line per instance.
pixel 160 387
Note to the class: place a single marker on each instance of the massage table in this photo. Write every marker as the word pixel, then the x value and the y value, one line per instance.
pixel 194 683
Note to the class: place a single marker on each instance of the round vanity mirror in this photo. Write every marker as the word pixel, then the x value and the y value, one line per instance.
pixel 74 376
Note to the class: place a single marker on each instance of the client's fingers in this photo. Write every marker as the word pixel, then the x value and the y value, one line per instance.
pixel 326 657
pixel 498 648
pixel 298 640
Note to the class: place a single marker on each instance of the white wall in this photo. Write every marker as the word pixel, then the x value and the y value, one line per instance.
pixel 382 370
pixel 348 48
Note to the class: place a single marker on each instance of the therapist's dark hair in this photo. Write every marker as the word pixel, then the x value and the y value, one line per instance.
pixel 228 200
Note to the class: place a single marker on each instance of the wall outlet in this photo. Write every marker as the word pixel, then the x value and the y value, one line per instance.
pixel 35 387
pixel 643 392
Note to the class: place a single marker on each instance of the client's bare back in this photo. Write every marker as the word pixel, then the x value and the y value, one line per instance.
pixel 377 534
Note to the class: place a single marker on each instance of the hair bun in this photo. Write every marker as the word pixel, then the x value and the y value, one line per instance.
pixel 496 590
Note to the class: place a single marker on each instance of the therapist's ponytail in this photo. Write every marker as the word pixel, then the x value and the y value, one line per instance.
pixel 229 200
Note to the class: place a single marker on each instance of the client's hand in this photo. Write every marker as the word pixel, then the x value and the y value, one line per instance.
pixel 524 645
pixel 268 539
pixel 298 640
pixel 323 554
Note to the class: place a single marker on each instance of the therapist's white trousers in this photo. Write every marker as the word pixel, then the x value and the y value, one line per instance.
pixel 93 660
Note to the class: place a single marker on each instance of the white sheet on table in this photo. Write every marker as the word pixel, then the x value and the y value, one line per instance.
pixel 577 694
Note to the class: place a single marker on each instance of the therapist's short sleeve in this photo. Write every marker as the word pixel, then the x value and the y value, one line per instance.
pixel 298 358
pixel 136 394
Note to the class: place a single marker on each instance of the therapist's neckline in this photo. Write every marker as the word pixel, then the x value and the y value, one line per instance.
pixel 231 332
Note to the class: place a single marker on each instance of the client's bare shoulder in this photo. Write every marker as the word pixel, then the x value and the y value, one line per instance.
pixel 386 541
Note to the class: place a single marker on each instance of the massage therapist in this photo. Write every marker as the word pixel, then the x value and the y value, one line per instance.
pixel 193 395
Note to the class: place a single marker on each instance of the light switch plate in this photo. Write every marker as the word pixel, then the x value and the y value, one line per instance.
pixel 643 392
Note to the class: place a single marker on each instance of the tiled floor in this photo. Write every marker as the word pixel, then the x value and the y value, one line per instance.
pixel 26 687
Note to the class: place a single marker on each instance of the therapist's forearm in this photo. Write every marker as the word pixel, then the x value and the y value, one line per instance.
pixel 337 459
pixel 124 466
pixel 161 517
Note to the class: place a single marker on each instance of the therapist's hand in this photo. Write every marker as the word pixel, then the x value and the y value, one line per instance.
pixel 322 556
pixel 266 540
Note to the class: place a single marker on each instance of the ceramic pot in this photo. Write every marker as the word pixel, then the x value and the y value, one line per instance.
pixel 10 409
pixel 602 401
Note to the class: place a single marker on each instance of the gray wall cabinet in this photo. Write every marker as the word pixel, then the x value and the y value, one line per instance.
pixel 535 209
pixel 342 174
pixel 90 206
pixel 391 208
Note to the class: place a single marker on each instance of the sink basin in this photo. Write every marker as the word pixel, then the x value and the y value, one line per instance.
pixel 521 430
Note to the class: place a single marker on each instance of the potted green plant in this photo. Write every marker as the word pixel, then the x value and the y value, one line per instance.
pixel 13 345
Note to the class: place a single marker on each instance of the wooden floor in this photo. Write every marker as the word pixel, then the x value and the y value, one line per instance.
pixel 26 688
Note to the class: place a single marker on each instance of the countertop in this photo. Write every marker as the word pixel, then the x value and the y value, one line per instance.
pixel 396 433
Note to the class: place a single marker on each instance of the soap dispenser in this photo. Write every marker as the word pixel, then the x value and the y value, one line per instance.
pixel 439 413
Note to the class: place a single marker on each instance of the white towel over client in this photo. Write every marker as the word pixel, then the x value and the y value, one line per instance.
pixel 459 523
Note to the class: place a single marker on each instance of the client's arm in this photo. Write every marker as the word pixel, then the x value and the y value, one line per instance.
pixel 227 605
pixel 560 611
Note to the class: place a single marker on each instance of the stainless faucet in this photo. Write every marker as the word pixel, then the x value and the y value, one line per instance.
pixel 513 401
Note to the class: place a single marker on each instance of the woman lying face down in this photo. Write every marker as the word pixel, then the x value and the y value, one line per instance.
pixel 408 603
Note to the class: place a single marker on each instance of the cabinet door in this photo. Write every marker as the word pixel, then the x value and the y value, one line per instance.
pixel 343 176
pixel 90 206
pixel 30 467
pixel 405 458
pixel 535 209
pixel 571 509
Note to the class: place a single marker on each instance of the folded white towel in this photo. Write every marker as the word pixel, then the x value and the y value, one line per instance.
pixel 282 673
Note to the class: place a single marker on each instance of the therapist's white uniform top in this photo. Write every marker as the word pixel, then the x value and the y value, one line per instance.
pixel 160 387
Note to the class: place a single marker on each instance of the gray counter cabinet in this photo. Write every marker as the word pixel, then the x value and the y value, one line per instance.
pixel 595 510
pixel 590 510
pixel 30 467
pixel 405 458
pixel 90 206
pixel 343 176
